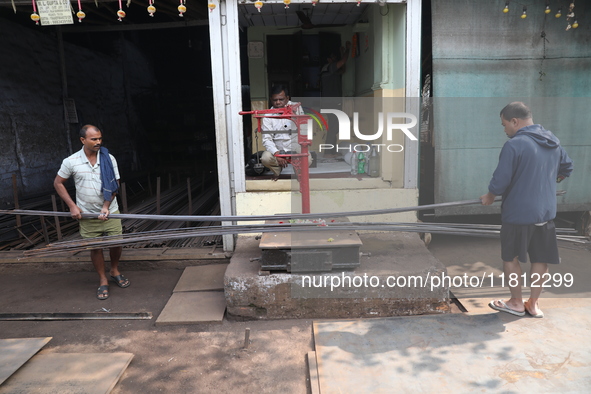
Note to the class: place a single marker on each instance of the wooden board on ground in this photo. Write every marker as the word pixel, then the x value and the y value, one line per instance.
pixel 69 373
pixel 15 352
pixel 193 307
pixel 313 369
pixel 202 278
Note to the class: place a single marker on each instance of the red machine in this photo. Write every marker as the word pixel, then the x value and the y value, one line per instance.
pixel 299 161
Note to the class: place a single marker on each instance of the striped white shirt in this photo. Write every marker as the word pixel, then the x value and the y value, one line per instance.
pixel 87 178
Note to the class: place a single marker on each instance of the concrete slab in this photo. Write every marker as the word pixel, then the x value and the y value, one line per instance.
pixel 492 352
pixel 393 281
pixel 69 373
pixel 193 307
pixel 202 278
pixel 14 352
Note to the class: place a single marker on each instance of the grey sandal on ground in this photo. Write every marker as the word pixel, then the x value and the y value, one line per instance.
pixel 103 292
pixel 121 281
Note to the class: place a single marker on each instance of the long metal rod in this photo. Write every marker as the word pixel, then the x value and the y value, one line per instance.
pixel 76 316
pixel 198 218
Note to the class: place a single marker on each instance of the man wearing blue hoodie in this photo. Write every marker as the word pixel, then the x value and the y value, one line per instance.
pixel 530 165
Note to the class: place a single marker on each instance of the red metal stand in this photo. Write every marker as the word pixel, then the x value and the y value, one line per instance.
pixel 299 161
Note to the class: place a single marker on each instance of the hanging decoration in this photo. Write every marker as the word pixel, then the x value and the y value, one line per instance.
pixel 287 3
pixel 211 5
pixel 314 2
pixel 35 16
pixel 258 4
pixel 358 3
pixel 571 16
pixel 571 21
pixel 151 8
pixel 120 13
pixel 80 14
pixel 13 6
pixel 182 8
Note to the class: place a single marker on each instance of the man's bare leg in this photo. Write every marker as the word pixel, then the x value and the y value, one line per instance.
pixel 115 254
pixel 98 261
pixel 512 269
pixel 537 274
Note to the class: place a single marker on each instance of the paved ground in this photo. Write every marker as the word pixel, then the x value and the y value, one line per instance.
pixel 204 358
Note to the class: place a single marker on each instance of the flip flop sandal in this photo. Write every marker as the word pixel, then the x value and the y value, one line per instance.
pixel 103 292
pixel 505 308
pixel 121 281
pixel 539 315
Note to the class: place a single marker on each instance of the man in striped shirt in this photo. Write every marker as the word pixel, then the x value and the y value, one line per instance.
pixel 84 167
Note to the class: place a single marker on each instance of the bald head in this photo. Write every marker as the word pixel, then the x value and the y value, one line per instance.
pixel 517 110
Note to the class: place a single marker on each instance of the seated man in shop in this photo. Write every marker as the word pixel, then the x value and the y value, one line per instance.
pixel 279 135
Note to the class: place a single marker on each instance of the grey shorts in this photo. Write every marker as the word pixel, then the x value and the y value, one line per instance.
pixel 539 242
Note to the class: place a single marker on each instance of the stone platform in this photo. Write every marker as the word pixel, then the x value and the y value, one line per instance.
pixel 395 280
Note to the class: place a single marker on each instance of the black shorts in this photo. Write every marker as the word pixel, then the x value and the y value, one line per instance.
pixel 539 242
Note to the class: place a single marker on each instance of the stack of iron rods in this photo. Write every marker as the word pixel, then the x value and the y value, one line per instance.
pixel 175 204
pixel 33 235
pixel 127 239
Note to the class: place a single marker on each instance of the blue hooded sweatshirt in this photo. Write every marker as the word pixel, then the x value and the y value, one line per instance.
pixel 529 164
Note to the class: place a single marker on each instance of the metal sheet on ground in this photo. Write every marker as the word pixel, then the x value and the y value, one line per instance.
pixel 69 373
pixel 193 307
pixel 456 353
pixel 202 278
pixel 14 352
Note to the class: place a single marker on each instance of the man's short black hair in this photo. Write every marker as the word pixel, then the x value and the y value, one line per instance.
pixel 516 109
pixel 276 89
pixel 85 128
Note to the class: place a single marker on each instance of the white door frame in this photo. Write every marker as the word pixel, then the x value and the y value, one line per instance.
pixel 227 97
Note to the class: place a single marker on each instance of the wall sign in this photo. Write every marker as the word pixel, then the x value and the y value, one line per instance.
pixel 55 12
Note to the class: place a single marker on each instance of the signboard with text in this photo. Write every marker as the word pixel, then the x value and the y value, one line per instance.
pixel 55 12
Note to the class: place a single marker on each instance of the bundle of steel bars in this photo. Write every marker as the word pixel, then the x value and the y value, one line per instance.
pixel 127 239
pixel 34 228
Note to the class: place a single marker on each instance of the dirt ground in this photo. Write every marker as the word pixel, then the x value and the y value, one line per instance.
pixel 170 359
pixel 201 358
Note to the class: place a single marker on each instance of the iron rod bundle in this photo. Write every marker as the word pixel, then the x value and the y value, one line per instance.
pixel 127 239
